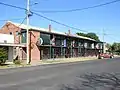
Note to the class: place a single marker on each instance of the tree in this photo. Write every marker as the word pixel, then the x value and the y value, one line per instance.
pixel 81 34
pixel 93 36
pixel 109 47
pixel 89 35
pixel 114 48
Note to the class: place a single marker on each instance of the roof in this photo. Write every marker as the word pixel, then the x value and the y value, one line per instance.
pixel 23 26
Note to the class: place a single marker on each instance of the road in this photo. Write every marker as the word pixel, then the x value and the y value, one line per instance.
pixel 51 77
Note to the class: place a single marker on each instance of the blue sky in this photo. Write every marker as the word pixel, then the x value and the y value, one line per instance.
pixel 93 20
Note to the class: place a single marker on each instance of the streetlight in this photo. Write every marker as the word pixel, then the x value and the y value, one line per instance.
pixel 34 4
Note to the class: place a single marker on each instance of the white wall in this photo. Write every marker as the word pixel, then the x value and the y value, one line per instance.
pixel 6 38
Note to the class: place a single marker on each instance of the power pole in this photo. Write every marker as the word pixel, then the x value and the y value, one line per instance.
pixel 103 41
pixel 103 34
pixel 28 12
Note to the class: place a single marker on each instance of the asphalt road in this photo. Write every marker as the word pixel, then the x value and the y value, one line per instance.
pixel 51 77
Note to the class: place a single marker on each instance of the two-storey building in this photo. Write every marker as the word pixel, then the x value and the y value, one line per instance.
pixel 47 43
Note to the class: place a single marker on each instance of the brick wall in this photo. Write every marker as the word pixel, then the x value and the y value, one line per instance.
pixel 33 37
pixel 11 28
pixel 34 49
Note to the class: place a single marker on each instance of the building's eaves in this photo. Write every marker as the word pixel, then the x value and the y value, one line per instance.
pixel 23 26
pixel 12 44
pixel 84 37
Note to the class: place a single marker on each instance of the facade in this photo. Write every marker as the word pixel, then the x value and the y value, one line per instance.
pixel 7 41
pixel 47 43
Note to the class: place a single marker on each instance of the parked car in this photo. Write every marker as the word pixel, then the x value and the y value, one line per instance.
pixel 105 55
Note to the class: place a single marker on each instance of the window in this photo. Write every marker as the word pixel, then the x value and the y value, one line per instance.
pixel 93 45
pixel 5 41
pixel 89 45
pixel 64 43
pixel 85 45
pixel 10 33
pixel 23 37
pixel 17 33
pixel 45 38
pixel 58 42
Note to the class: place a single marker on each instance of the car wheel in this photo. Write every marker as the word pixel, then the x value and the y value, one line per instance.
pixel 111 56
pixel 99 57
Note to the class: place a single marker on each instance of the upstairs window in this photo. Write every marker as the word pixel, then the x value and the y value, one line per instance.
pixel 23 37
pixel 46 38
pixel 17 33
pixel 11 33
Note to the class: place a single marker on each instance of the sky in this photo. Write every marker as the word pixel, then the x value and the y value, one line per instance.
pixel 98 20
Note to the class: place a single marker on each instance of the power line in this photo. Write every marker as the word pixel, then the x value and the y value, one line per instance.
pixel 43 17
pixel 58 22
pixel 11 19
pixel 113 38
pixel 78 29
pixel 55 20
pixel 106 34
pixel 21 23
pixel 12 6
pixel 110 36
pixel 79 9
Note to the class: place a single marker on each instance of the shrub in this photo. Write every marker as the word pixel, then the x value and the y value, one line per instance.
pixel 17 62
pixel 3 55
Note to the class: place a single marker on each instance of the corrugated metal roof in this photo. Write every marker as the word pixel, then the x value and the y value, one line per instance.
pixel 23 26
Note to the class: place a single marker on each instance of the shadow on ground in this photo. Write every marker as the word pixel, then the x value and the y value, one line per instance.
pixel 90 81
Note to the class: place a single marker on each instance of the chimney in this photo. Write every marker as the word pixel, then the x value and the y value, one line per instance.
pixel 69 32
pixel 49 28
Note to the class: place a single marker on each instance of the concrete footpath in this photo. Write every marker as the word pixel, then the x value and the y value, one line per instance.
pixel 51 61
pixel 63 60
pixel 48 62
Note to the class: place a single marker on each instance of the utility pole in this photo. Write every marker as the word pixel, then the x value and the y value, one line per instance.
pixel 103 34
pixel 28 12
pixel 50 41
pixel 103 41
